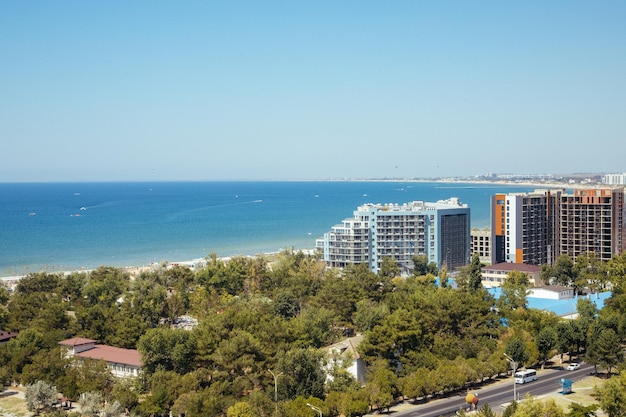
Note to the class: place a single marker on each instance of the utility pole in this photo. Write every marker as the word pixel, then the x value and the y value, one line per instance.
pixel 275 389
pixel 514 366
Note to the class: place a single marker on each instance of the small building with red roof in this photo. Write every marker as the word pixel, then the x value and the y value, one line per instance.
pixel 122 362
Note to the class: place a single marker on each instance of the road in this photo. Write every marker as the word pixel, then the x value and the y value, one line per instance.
pixel 548 382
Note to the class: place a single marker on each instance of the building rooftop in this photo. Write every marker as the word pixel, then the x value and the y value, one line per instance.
pixel 107 353
pixel 510 266
pixel 553 288
pixel 113 355
pixel 346 347
pixel 77 341
pixel 6 336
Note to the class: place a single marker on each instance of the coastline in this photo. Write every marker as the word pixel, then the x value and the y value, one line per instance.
pixel 449 181
pixel 133 271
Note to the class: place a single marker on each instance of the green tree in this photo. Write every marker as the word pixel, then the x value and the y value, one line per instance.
pixel 46 365
pixel 486 411
pixel 125 394
pixel 562 272
pixel 422 267
pixel 40 396
pixel 171 349
pixel 240 409
pixel 415 384
pixel 606 350
pixel 589 272
pixel 579 410
pixel 369 314
pixel 514 291
pixel 105 285
pixel 302 373
pixel 239 354
pixel 470 277
pixel 611 396
pixel 510 410
pixel 71 286
pixel 286 304
pixel 382 385
pixel 616 273
pixel 546 342
pixel 516 349
pixel 38 283
pixel 91 403
pixel 567 337
pixel 532 407
pixel 22 350
pixel 112 409
pixel 389 268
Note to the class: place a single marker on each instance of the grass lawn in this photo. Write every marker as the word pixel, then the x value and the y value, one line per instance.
pixel 12 404
pixel 582 394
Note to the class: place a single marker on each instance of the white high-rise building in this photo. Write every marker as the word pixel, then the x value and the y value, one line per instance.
pixel 440 230
pixel 614 179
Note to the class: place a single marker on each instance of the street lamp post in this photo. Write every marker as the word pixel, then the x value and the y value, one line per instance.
pixel 514 366
pixel 314 408
pixel 275 389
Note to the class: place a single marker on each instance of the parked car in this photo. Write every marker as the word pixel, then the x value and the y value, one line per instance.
pixel 573 366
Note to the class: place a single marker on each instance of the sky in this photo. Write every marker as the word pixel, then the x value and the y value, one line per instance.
pixel 285 90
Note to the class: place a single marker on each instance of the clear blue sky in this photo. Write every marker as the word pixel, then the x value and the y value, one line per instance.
pixel 210 90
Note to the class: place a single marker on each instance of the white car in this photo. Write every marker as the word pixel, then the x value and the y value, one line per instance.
pixel 573 366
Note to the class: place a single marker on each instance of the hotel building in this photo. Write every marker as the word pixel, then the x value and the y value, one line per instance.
pixel 523 227
pixel 535 228
pixel 440 230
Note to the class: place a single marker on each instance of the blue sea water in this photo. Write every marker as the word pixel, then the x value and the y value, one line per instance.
pixel 72 226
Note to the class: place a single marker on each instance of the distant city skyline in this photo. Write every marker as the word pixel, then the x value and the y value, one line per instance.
pixel 194 91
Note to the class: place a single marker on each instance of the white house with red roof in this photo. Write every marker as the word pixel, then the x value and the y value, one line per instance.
pixel 122 362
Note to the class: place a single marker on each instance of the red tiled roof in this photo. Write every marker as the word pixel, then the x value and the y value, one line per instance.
pixel 77 341
pixel 509 266
pixel 113 354
pixel 4 335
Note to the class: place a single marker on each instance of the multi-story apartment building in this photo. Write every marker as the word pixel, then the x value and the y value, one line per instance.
pixel 593 221
pixel 535 228
pixel 524 227
pixel 440 230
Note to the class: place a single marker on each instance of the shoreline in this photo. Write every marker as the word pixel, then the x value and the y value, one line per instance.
pixel 12 280
pixel 7 276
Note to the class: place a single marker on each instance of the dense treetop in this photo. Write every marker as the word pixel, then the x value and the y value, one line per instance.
pixel 422 336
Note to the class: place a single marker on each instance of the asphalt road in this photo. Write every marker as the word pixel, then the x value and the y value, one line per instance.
pixel 499 394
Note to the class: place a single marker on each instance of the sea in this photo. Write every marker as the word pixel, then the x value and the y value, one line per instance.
pixel 57 227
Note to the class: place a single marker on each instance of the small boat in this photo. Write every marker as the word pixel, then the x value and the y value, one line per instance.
pixel 32 213
pixel 83 208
